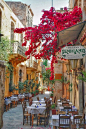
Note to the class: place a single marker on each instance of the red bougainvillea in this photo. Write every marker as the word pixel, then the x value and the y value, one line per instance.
pixel 45 34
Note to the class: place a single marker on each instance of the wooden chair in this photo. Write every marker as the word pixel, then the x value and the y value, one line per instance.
pixel 43 117
pixel 30 102
pixel 67 109
pixel 62 112
pixel 65 104
pixel 64 122
pixel 38 98
pixel 25 115
pixel 44 98
pixel 80 121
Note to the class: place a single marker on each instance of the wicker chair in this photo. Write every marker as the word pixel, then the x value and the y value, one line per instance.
pixel 25 115
pixel 43 117
pixel 79 121
pixel 64 122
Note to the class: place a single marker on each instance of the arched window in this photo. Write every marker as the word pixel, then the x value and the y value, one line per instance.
pixel 21 38
pixel 20 75
pixel 12 31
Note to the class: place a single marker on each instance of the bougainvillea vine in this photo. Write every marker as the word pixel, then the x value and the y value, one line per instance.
pixel 44 36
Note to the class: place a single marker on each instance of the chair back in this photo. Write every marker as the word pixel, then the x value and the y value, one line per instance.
pixel 30 102
pixel 64 121
pixel 62 112
pixel 65 103
pixel 24 104
pixel 44 98
pixel 73 112
pixel 38 98
pixel 79 119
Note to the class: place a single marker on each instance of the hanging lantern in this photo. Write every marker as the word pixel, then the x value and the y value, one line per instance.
pixel 68 67
pixel 73 64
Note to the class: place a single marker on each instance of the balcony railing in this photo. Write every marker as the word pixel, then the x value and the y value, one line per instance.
pixel 18 49
pixel 32 64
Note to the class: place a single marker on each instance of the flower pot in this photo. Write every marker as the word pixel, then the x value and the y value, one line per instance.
pixel 32 95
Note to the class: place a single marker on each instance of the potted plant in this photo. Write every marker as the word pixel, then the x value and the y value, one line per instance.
pixel 51 95
pixel 37 92
pixel 32 94
pixel 53 106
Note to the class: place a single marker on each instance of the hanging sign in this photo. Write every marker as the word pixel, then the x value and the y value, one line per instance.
pixel 73 52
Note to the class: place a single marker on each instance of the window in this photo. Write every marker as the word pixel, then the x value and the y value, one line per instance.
pixel 12 31
pixel 27 76
pixel 21 38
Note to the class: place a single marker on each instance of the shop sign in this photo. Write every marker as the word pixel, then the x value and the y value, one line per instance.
pixel 73 52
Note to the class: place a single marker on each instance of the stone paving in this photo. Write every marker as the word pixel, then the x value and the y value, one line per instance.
pixel 13 119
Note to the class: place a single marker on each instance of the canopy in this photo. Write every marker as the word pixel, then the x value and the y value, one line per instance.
pixel 67 35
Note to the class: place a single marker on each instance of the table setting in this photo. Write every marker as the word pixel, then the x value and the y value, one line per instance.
pixel 41 101
pixel 35 110
pixel 38 104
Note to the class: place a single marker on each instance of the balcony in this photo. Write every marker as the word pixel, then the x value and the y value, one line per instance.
pixel 18 49
pixel 18 53
pixel 32 64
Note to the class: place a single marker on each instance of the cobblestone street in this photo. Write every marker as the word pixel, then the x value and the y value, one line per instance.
pixel 13 119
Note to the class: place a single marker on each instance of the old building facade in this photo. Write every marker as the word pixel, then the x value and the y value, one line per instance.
pixel 79 91
pixel 23 12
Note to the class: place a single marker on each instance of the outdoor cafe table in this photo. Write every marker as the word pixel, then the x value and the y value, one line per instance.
pixel 55 120
pixel 13 98
pixel 42 102
pixel 60 103
pixel 21 96
pixel 73 108
pixel 35 110
pixel 39 105
pixel 60 100
pixel 43 99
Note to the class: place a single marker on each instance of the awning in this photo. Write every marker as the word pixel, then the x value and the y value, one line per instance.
pixel 67 35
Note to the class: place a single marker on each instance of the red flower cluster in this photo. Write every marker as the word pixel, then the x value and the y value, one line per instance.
pixel 45 34
pixel 48 69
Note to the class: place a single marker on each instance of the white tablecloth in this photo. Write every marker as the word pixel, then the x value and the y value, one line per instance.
pixel 60 100
pixel 21 96
pixel 60 103
pixel 34 110
pixel 73 108
pixel 43 99
pixel 42 102
pixel 13 98
pixel 7 101
pixel 39 105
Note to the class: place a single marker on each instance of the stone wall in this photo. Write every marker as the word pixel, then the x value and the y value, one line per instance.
pixel 19 9
pixel 2 89
pixel 23 12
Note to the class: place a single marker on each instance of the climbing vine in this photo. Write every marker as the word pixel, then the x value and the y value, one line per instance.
pixel 45 34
